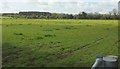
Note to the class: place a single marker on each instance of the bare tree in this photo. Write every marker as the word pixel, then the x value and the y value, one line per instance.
pixel 114 11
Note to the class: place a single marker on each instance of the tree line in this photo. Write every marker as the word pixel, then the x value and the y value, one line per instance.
pixel 48 15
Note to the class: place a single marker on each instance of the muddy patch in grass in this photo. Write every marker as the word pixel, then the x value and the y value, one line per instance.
pixel 9 53
pixel 48 30
pixel 49 35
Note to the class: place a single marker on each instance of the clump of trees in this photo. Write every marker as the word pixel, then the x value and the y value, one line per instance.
pixel 47 15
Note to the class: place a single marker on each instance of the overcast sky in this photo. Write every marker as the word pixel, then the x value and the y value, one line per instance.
pixel 58 6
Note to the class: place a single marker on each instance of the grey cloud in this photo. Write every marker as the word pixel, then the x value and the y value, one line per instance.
pixel 68 6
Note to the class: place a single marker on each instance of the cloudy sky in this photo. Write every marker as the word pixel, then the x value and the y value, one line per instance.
pixel 58 6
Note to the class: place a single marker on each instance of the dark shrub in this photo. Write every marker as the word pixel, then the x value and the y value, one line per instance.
pixel 48 35
pixel 39 38
pixel 18 33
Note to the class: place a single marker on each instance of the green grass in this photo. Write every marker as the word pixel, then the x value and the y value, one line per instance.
pixel 5 17
pixel 57 43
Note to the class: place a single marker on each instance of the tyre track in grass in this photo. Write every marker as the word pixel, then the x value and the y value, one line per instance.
pixel 62 55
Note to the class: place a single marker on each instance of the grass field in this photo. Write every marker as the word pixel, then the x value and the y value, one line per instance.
pixel 57 43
